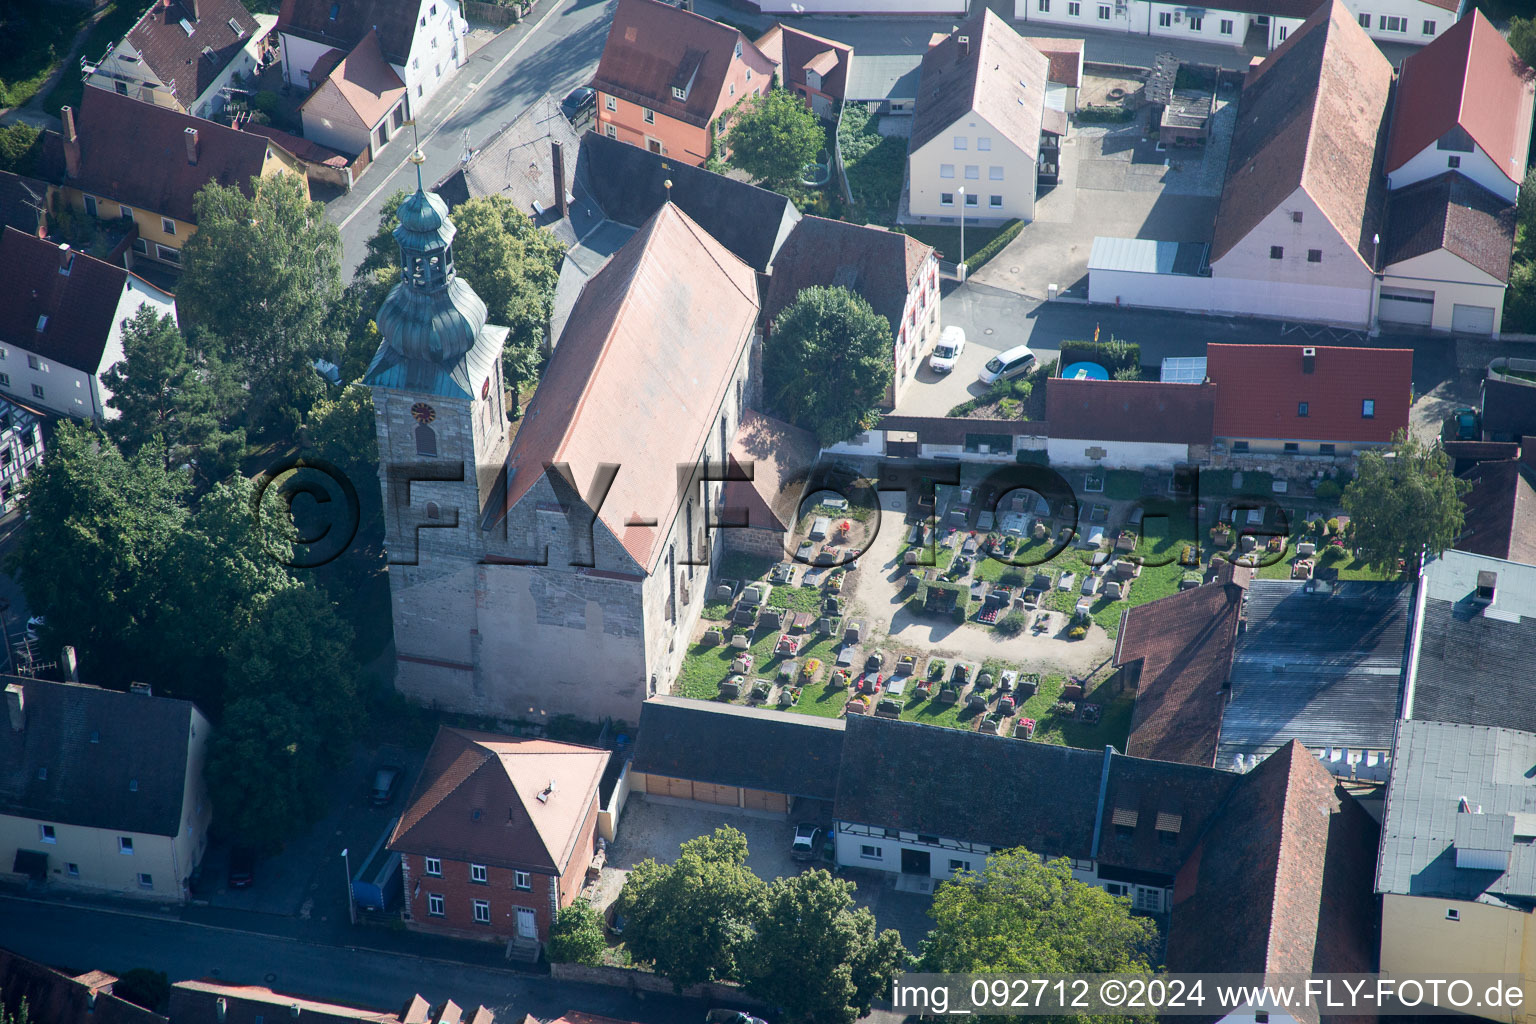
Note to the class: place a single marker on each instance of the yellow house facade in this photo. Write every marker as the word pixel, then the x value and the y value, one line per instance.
pixel 1435 938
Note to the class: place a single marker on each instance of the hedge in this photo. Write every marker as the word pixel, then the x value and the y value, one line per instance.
pixel 979 259
pixel 1103 113
pixel 1113 354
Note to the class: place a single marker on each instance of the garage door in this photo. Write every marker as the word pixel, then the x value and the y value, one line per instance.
pixel 1406 306
pixel 1472 320
pixel 757 800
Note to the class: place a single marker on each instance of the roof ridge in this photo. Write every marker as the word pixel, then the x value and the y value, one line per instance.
pixel 522 801
pixel 403 829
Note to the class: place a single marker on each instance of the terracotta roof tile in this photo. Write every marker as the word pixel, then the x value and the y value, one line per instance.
pixel 1469 78
pixel 1259 389
pixel 1184 643
pixel 191 63
pixel 1500 511
pixel 1454 213
pixel 1311 117
pixel 1130 410
pixel 794 50
pixel 1066 57
pixel 883 265
pixel 198 1002
pixel 671 297
pixel 653 45
pixel 455 809
pixel 781 456
pixel 365 81
pixel 395 21
pixel 1000 77
pixel 1156 793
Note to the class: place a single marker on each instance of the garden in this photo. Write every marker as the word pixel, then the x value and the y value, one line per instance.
pixel 875 164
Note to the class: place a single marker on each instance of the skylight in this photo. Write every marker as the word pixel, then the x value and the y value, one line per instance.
pixel 186 26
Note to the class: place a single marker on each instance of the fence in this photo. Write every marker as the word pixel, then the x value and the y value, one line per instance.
pixel 837 155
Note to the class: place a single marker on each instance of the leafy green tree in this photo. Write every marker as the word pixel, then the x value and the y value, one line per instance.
pixel 144 987
pixel 828 362
pixel 1405 505
pixel 1023 915
pixel 774 136
pixel 264 775
pixel 817 956
pixel 1522 39
pixel 1525 203
pixel 20 146
pixel 261 274
pixel 22 1014
pixel 163 396
pixel 343 432
pixel 354 334
pixel 692 917
pixel 1520 297
pixel 576 937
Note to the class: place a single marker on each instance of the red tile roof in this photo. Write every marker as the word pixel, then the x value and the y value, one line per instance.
pixel 794 50
pixel 365 81
pixel 1000 77
pixel 1469 78
pixel 1065 55
pixel 455 810
pixel 80 306
pixel 57 998
pixel 1310 117
pixel 781 456
pixel 653 46
pixel 1258 388
pixel 1129 410
pixel 1184 643
pixel 180 59
pixel 395 21
pixel 638 374
pixel 1453 213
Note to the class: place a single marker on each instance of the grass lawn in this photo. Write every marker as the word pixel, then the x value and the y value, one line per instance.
pixel 112 27
pixel 1123 485
pixel 37 35
pixel 798 599
pixel 946 239
pixel 1347 566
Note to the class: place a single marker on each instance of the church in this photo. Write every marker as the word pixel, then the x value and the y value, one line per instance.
pixel 554 565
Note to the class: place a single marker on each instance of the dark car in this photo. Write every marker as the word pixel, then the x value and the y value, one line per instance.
pixel 578 104
pixel 384 782
pixel 242 867
pixel 731 1017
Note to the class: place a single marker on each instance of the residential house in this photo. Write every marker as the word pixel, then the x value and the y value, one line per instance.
pixel 423 41
pixel 182 54
pixel 1177 652
pixel 1280 883
pixel 592 603
pixel 21 450
pixel 213 1002
pixel 764 510
pixel 810 66
pixel 359 101
pixel 519 162
pixel 1329 401
pixel 711 755
pixel 979 135
pixel 1128 424
pixel 1304 195
pixel 1342 644
pixel 122 160
pixel 1469 658
pixel 1457 869
pixel 61 323
pixel 102 791
pixel 1065 75
pixel 23 204
pixel 470 873
pixel 895 273
pixel 668 78
pixel 1256 24
pixel 1501 508
pixel 58 998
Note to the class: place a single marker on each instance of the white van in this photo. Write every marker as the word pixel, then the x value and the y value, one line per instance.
pixel 1015 362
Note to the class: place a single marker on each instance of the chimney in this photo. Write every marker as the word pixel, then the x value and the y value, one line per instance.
pixel 1487 583
pixel 557 168
pixel 140 690
pixel 71 665
pixel 1308 360
pixel 221 1008
pixel 16 704
pixel 965 45
pixel 71 143
pixel 66 257
pixel 190 134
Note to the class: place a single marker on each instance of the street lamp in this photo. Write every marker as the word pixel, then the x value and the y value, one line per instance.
pixel 962 227
pixel 346 864
pixel 1375 328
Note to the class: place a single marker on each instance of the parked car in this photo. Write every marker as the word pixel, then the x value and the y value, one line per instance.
pixel 807 837
pixel 1006 365
pixel 242 867
pixel 578 104
pixel 731 1017
pixel 947 351
pixel 384 782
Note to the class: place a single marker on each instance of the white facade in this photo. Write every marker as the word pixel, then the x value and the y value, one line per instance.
pixel 1449 281
pixel 905 7
pixel 1065 451
pixel 1397 21
pixel 125 72
pixel 996 173
pixel 919 326
pixel 1155 291
pixel 1476 166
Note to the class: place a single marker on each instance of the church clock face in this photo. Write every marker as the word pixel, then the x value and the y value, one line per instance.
pixel 423 413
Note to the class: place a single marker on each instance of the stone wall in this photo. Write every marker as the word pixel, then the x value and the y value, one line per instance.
pixel 636 980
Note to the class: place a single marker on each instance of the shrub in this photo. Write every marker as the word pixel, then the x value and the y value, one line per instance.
pixel 979 258
pixel 266 101
pixel 20 146
pixel 1128 373
pixel 1011 624
pixel 1078 632
pixel 1011 578
pixel 576 937
pixel 1102 114
pixel 1328 491
pixel 1333 526
pixel 1010 407
pixel 959 614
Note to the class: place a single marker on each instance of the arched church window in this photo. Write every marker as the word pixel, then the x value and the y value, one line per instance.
pixel 432 511
pixel 426 440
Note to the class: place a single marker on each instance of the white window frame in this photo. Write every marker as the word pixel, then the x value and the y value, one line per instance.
pixel 1226 26
pixel 482 911
pixel 160 253
pixel 973 199
pixel 1165 19
pixel 611 130
pixel 946 199
pixel 867 852
pixel 961 143
pixel 125 845
pixel 168 226
pixel 436 905
pixel 984 143
pixel 146 880
pixel 995 202
pixel 47 834
pixel 479 874
pixel 38 392
pixel 1103 12
pixel 522 880
pixel 610 101
pixel 1044 6
pixel 994 173
pixel 648 115
pixel 946 170
pixel 1196 22
pixel 432 866
pixel 1429 27
pixel 679 93
pixel 972 172
pixel 72 869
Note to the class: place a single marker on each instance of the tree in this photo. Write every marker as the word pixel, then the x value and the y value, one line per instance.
pixel 261 273
pixel 22 1014
pixel 774 136
pixel 691 918
pixel 163 396
pixel 1522 39
pixel 20 146
pixel 828 362
pixel 1525 202
pixel 1405 505
pixel 817 957
pixel 1023 915
pixel 144 987
pixel 263 771
pixel 576 937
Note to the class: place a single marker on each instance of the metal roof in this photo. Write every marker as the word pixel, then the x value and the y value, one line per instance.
pixel 1147 256
pixel 1436 765
pixel 1183 370
pixel 884 76
pixel 1316 662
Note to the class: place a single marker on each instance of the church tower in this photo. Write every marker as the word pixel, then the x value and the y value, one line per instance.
pixel 441 422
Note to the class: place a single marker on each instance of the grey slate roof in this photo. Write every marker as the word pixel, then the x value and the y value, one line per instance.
pixel 969 786
pixel 1318 664
pixel 1436 765
pixel 703 741
pixel 53 770
pixel 1471 664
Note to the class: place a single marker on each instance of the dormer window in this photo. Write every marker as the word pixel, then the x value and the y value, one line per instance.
pixel 186 26
pixel 679 93
pixel 737 53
